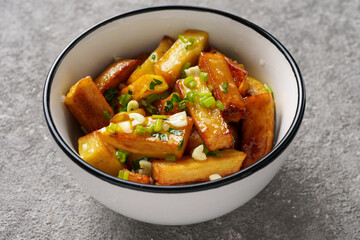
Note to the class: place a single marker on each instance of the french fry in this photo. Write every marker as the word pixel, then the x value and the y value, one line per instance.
pixel 146 85
pixel 148 66
pixel 116 73
pixel 255 87
pixel 87 104
pixel 257 127
pixel 224 87
pixel 187 170
pixel 237 70
pixel 156 145
pixel 170 65
pixel 208 121
pixel 99 154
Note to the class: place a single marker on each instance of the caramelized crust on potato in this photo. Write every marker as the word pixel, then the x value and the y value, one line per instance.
pixel 169 66
pixel 163 103
pixel 148 66
pixel 87 104
pixel 218 75
pixel 124 116
pixel 150 145
pixel 188 170
pixel 144 86
pixel 137 177
pixel 116 73
pixel 95 151
pixel 257 127
pixel 255 87
pixel 208 121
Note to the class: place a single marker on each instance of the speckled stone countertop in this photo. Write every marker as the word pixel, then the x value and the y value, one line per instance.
pixel 315 195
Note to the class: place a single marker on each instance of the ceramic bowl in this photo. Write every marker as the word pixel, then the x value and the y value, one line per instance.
pixel 135 32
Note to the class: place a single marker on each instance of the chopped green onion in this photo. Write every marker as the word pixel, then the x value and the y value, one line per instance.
pixel 153 57
pixel 175 98
pixel 202 99
pixel 224 87
pixel 268 88
pixel 190 96
pixel 180 145
pixel 205 94
pixel 122 155
pixel 169 106
pixel 139 129
pixel 151 108
pixel 158 125
pixel 192 85
pixel 182 105
pixel 210 87
pixel 170 157
pixel 126 175
pixel 152 98
pixel 203 76
pixel 185 66
pixel 107 115
pixel 209 102
pixel 110 94
pixel 159 116
pixel 150 128
pixel 114 127
pixel 130 91
pixel 153 84
pixel 163 137
pixel 216 153
pixel 175 132
pixel 205 150
pixel 192 41
pixel 124 99
pixel 188 80
pixel 121 174
pixel 182 38
pixel 164 95
pixel 84 129
pixel 220 105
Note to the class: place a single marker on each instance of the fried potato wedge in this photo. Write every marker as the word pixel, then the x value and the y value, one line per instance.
pixel 237 70
pixel 148 66
pixel 116 73
pixel 137 177
pixel 224 87
pixel 95 151
pixel 187 170
pixel 208 121
pixel 182 51
pixel 124 116
pixel 146 85
pixel 255 87
pixel 155 145
pixel 257 127
pixel 87 104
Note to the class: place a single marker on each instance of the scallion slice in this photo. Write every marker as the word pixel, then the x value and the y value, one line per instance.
pixel 175 131
pixel 188 79
pixel 203 76
pixel 126 175
pixel 180 145
pixel 192 84
pixel 150 128
pixel 209 102
pixel 121 174
pixel 220 105
pixel 139 129
pixel 159 116
pixel 224 87
pixel 107 115
pixel 154 83
pixel 185 66
pixel 158 125
pixel 110 94
pixel 169 106
pixel 175 98
pixel 182 105
pixel 122 155
pixel 210 87
pixel 268 88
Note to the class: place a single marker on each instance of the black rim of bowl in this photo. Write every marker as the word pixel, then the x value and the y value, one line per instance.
pixel 276 151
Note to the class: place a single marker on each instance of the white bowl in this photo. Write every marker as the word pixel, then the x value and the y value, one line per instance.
pixel 132 33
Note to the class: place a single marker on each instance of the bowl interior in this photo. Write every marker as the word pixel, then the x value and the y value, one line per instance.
pixel 129 35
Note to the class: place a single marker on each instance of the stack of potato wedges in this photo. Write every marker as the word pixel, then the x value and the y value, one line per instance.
pixel 183 114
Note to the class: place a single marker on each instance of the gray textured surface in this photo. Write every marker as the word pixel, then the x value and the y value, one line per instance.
pixel 314 196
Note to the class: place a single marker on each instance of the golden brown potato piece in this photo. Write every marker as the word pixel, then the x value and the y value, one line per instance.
pixel 224 87
pixel 257 127
pixel 163 103
pixel 99 154
pixel 170 65
pixel 255 87
pixel 157 145
pixel 237 70
pixel 116 73
pixel 146 85
pixel 208 121
pixel 137 177
pixel 148 66
pixel 124 116
pixel 87 104
pixel 188 170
